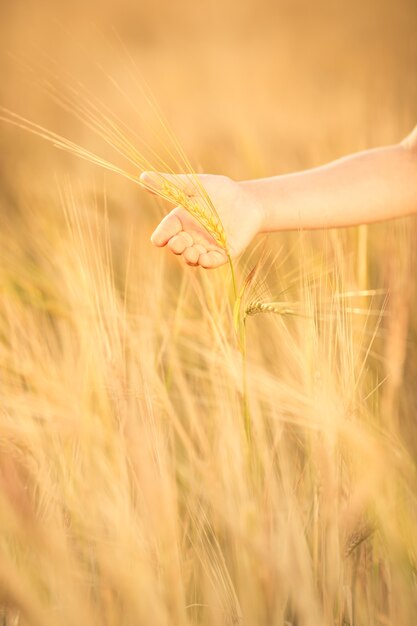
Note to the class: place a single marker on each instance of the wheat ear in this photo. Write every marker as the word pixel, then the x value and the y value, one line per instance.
pixel 202 215
pixel 279 308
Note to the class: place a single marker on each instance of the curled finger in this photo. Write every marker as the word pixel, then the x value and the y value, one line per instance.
pixel 192 254
pixel 212 259
pixel 180 242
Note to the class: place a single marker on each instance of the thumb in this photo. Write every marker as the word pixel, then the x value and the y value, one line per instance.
pixel 151 181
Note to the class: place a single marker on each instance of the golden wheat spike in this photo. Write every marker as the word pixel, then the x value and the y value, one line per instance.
pixel 193 206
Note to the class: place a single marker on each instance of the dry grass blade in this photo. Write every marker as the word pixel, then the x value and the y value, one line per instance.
pixel 84 106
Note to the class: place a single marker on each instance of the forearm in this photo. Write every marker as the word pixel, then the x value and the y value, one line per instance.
pixel 365 187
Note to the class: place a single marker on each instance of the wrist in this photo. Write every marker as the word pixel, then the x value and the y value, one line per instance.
pixel 253 193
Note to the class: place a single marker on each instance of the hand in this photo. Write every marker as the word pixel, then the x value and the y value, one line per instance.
pixel 239 211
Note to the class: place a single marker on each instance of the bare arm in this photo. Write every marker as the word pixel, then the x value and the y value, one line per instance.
pixel 361 188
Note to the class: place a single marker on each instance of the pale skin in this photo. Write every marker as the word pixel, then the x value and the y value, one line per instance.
pixel 361 188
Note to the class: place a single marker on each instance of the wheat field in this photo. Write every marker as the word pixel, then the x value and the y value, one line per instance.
pixel 171 454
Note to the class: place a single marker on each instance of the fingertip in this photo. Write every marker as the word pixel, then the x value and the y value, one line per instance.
pixel 169 227
pixel 145 177
pixel 212 259
pixel 191 255
pixel 205 261
pixel 157 240
pixel 189 263
pixel 179 243
pixel 149 180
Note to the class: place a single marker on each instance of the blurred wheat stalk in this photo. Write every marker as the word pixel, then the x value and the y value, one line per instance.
pixel 127 493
